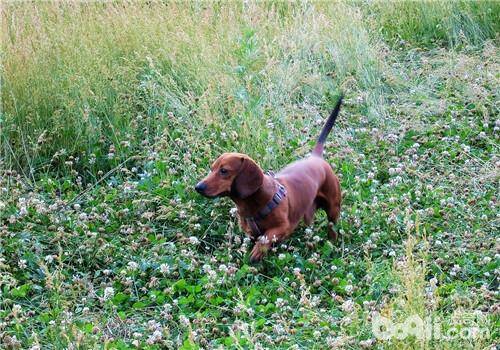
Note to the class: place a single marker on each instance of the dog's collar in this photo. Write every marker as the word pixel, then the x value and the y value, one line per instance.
pixel 267 209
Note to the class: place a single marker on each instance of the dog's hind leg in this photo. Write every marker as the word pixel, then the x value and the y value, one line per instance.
pixel 330 199
pixel 309 214
pixel 333 213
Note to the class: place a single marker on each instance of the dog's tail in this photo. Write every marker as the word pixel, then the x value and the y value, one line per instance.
pixel 320 144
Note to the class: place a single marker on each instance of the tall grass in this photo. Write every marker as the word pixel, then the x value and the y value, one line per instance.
pixel 427 23
pixel 87 85
pixel 417 296
pixel 83 77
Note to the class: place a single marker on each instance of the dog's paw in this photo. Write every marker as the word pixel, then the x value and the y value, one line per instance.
pixel 332 234
pixel 258 252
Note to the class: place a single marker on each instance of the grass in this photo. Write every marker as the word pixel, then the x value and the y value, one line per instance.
pixel 111 113
pixel 453 23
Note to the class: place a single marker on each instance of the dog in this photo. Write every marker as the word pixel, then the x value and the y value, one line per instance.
pixel 270 206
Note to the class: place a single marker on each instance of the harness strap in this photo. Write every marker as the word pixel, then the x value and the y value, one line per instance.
pixel 266 210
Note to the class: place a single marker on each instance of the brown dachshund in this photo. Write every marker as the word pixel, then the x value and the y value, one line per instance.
pixel 270 207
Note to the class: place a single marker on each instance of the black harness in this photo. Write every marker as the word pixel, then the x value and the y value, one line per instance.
pixel 278 197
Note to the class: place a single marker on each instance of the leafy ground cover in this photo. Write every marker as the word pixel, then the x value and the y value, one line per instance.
pixel 112 112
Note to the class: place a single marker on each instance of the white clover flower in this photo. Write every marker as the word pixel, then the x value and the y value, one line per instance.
pixel 165 269
pixel 455 269
pixel 16 309
pixel 155 337
pixel 153 325
pixel 109 292
pixel 349 288
pixel 281 256
pixel 278 329
pixel 365 344
pixel 132 266
pixel 263 239
pixel 184 320
pixel 280 302
pixel 348 305
pixel 486 260
pixel 433 282
pixel 23 211
pixel 194 240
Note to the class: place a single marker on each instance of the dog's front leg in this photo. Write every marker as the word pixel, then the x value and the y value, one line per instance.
pixel 264 243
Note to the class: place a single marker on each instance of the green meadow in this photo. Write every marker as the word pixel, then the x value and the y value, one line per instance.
pixel 112 111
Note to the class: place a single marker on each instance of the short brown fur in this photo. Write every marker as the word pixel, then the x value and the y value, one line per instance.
pixel 310 184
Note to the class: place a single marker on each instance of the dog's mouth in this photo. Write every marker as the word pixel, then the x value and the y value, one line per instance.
pixel 208 195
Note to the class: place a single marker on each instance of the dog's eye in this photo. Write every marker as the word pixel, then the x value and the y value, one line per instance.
pixel 223 171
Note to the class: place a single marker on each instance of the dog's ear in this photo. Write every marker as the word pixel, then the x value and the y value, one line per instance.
pixel 249 178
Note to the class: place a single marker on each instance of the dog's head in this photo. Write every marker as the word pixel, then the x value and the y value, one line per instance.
pixel 232 174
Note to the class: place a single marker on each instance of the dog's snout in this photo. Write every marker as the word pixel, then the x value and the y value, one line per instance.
pixel 200 187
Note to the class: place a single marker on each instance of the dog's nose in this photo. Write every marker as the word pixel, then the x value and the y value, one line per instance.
pixel 200 187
